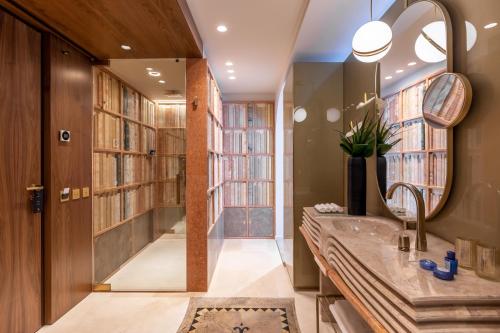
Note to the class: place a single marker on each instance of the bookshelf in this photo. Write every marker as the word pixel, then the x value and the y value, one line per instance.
pixel 171 156
pixel 248 165
pixel 420 158
pixel 124 136
pixel 215 192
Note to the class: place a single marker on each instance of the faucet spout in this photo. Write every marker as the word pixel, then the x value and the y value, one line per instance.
pixel 421 239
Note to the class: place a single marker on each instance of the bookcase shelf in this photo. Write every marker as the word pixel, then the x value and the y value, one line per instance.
pixel 420 158
pixel 249 169
pixel 123 188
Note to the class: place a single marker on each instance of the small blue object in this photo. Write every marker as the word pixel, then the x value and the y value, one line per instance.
pixel 427 264
pixel 443 274
pixel 450 262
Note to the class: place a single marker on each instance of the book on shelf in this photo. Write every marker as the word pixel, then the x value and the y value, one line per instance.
pixel 414 169
pixel 437 138
pixel 148 170
pixel 130 136
pixel 172 193
pixel 235 194
pixel 106 130
pixel 148 140
pixel 235 115
pixel 438 169
pixel 107 170
pixel 234 167
pixel 260 141
pixel 260 167
pixel 130 102
pixel 210 132
pixel 260 115
pixel 413 135
pixel 146 195
pixel 106 92
pixel 130 203
pixel 106 211
pixel 260 194
pixel 210 170
pixel 235 142
pixel 392 112
pixel 132 169
pixel 218 138
pixel 171 116
pixel 412 99
pixel 170 167
pixel 148 112
pixel 214 99
pixel 171 141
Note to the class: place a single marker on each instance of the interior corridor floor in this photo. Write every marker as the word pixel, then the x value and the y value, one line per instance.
pixel 246 268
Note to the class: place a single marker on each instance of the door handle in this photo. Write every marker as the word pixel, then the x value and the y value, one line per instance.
pixel 34 187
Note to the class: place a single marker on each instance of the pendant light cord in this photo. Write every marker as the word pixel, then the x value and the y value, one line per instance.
pixel 371 10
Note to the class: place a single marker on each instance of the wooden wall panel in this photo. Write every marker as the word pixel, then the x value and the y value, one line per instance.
pixel 67 225
pixel 196 174
pixel 20 153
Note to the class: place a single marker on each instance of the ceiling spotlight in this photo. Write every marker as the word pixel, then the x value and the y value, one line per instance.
pixel 221 28
pixel 399 71
pixel 230 71
pixel 232 78
pixel 155 74
pixel 126 47
pixel 388 77
pixel 229 63
pixel 162 81
pixel 491 25
pixel 413 63
pixel 299 114
pixel 149 69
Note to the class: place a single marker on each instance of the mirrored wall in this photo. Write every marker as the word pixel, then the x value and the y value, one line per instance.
pixel 139 174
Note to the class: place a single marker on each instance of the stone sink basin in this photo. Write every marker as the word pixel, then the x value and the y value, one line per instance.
pixel 372 243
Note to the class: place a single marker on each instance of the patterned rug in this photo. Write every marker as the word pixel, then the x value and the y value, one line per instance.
pixel 240 315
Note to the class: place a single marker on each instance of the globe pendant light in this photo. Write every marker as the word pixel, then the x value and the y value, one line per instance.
pixel 430 45
pixel 372 41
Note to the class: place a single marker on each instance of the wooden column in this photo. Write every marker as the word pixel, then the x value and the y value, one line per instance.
pixel 196 174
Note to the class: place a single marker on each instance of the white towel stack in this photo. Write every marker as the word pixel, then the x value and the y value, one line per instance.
pixel 328 208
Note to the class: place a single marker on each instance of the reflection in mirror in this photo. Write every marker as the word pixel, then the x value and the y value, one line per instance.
pixel 447 100
pixel 408 150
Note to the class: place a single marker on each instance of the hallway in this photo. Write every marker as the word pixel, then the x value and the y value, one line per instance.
pixel 246 268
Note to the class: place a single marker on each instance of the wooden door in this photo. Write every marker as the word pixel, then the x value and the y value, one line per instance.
pixel 20 156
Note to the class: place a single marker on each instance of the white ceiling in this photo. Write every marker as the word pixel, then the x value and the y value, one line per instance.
pixel 329 26
pixel 259 41
pixel 266 35
pixel 173 72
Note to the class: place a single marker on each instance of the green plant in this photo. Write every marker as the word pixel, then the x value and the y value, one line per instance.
pixel 384 135
pixel 360 140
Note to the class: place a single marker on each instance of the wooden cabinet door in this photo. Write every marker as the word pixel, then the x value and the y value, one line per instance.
pixel 20 155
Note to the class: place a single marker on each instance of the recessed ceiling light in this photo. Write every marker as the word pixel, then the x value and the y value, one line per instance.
pixel 491 25
pixel 221 28
pixel 229 63
pixel 388 77
pixel 149 69
pixel 232 78
pixel 162 81
pixel 126 47
pixel 155 74
pixel 399 71
pixel 230 71
pixel 413 63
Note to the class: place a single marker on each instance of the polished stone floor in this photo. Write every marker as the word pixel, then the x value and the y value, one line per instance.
pixel 246 268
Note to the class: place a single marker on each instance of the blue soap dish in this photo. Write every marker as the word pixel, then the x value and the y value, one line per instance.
pixel 427 264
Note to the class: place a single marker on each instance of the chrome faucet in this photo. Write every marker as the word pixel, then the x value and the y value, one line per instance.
pixel 421 240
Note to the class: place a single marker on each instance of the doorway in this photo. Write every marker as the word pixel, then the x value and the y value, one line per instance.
pixel 21 171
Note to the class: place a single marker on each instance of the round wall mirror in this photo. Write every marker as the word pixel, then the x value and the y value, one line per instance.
pixel 408 149
pixel 447 100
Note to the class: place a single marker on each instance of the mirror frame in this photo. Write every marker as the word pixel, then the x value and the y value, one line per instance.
pixel 449 131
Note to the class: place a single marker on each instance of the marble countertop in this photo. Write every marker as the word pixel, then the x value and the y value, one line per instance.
pixel 372 241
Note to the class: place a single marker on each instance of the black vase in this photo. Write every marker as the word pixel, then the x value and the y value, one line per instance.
pixel 382 175
pixel 356 204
